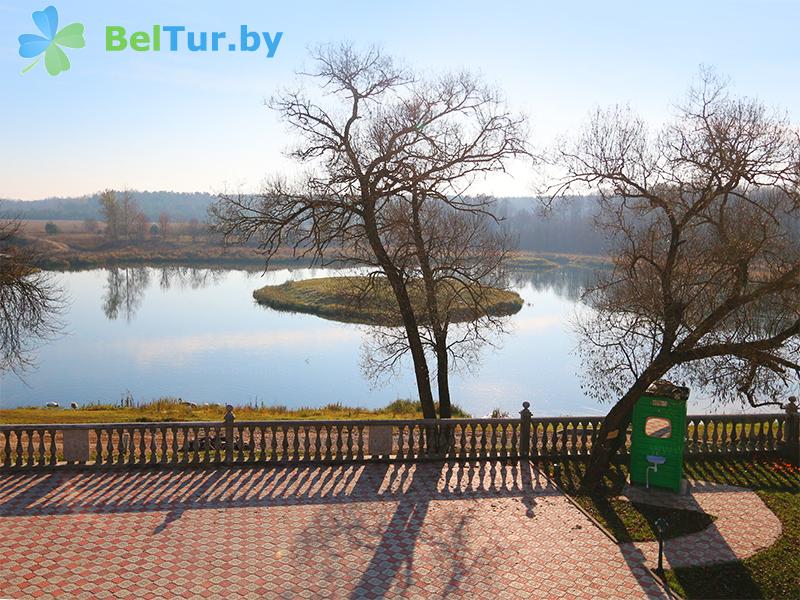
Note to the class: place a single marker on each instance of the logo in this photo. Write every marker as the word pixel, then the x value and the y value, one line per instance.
pixel 50 42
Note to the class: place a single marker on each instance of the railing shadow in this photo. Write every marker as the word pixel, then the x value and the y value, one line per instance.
pixel 175 491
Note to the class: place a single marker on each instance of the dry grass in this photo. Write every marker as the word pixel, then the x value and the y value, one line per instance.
pixel 170 409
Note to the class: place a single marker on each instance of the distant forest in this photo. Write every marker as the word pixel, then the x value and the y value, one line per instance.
pixel 566 229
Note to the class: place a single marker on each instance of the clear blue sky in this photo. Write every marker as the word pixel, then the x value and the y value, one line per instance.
pixel 196 121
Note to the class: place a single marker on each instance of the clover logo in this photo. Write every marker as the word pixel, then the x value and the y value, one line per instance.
pixel 50 42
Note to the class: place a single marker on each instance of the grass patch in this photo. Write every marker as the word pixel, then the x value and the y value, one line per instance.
pixel 355 300
pixel 771 573
pixel 171 409
pixel 626 521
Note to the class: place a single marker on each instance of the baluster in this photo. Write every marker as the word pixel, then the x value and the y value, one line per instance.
pixel 18 434
pixel 360 447
pixel 164 452
pixel 695 435
pixel 109 458
pixel 174 443
pixel 98 447
pixel 565 435
pixel 42 457
pixel 285 444
pixel 348 444
pixel 704 441
pixel 747 436
pixel 328 442
pixel 29 449
pixel 142 445
pixel 53 447
pixel 713 425
pixel 514 452
pixel 193 435
pixel 410 449
pixel 554 441
pixel 339 442
pixel 262 443
pixel 492 439
pixel 770 436
pixel 306 443
pixel 482 434
pixel 7 448
pixel 317 442
pixel 401 443
pixel 504 452
pixel 273 437
pixel 296 443
pixel 153 445
pixel 779 435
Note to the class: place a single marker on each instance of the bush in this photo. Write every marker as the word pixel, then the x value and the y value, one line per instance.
pixel 50 228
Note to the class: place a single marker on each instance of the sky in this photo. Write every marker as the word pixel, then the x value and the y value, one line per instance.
pixel 196 121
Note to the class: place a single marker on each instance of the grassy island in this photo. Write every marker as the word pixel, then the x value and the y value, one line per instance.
pixel 344 299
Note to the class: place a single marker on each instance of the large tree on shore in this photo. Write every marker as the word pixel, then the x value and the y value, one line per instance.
pixel 705 286
pixel 372 137
pixel 457 259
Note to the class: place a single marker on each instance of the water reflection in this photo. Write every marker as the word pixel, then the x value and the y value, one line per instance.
pixel 568 283
pixel 124 292
pixel 126 287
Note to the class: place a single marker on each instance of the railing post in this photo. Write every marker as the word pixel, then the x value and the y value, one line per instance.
pixel 791 440
pixel 229 419
pixel 525 431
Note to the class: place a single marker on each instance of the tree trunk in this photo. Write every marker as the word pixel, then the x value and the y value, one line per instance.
pixel 406 309
pixel 435 322
pixel 614 431
pixel 443 379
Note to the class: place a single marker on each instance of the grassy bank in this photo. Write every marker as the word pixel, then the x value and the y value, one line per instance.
pixel 171 409
pixel 341 299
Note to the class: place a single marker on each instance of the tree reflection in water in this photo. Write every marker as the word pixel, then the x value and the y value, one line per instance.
pixel 126 286
pixel 565 282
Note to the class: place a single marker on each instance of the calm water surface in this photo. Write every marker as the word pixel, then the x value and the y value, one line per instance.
pixel 197 334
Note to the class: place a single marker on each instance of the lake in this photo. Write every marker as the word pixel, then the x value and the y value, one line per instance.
pixel 198 334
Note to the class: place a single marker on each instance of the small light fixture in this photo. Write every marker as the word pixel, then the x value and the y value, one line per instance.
pixel 661 527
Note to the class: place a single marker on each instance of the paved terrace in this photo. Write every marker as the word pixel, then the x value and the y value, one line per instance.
pixel 356 531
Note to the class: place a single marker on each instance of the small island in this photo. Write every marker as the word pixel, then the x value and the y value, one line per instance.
pixel 358 300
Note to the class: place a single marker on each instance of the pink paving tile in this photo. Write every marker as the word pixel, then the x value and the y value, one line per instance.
pixel 358 531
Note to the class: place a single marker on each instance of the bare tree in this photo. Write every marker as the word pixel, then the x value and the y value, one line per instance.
pixel 30 301
pixel 109 208
pixel 706 271
pixel 90 225
pixel 194 228
pixel 375 136
pixel 163 225
pixel 457 260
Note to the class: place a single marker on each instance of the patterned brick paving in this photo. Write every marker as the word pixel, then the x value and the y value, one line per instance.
pixel 744 525
pixel 374 531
